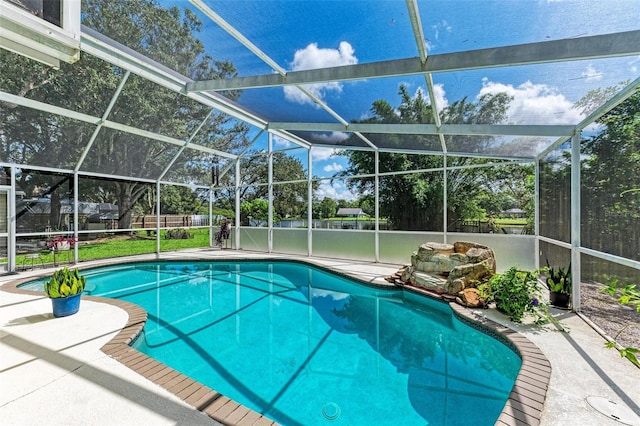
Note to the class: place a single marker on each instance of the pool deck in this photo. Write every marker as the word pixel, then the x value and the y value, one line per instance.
pixel 91 376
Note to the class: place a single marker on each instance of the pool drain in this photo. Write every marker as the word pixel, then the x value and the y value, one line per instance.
pixel 613 410
pixel 331 411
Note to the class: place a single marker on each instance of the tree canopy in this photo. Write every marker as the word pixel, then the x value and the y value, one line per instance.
pixel 610 168
pixel 414 201
pixel 166 35
pixel 289 189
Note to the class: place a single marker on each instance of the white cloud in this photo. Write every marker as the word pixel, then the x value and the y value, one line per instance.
pixel 633 65
pixel 278 141
pixel 440 97
pixel 438 29
pixel 441 26
pixel 332 294
pixel 534 103
pixel 333 167
pixel 428 44
pixel 591 74
pixel 320 153
pixel 337 191
pixel 332 137
pixel 439 94
pixel 312 57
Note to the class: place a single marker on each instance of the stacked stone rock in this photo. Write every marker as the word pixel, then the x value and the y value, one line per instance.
pixel 449 269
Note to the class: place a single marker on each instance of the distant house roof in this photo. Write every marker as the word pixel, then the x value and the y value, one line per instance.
pixel 350 212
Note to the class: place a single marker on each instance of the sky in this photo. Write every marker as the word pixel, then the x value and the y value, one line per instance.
pixel 307 34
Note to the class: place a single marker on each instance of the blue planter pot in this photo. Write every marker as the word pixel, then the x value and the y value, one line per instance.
pixel 65 306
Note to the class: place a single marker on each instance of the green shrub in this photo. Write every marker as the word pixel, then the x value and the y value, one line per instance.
pixel 515 294
pixel 178 234
pixel 627 295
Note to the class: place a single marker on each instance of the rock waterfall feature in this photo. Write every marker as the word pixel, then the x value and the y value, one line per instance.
pixel 453 270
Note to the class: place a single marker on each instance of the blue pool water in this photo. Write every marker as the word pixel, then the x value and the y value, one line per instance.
pixel 304 346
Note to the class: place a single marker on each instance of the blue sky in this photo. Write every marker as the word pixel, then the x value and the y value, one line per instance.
pixel 306 34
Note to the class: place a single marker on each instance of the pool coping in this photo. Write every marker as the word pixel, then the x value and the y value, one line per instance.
pixel 524 405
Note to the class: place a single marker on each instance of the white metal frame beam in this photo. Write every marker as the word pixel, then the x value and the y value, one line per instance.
pixel 418 32
pixel 432 129
pixel 571 49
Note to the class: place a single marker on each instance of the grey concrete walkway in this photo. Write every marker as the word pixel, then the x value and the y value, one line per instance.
pixel 50 376
pixel 52 372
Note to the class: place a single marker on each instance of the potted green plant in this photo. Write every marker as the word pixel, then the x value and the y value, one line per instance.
pixel 65 288
pixel 515 294
pixel 559 285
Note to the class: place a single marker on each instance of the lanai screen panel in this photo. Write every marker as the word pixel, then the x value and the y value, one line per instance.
pixel 145 105
pixel 468 25
pixel 328 162
pixel 190 167
pixel 499 146
pixel 29 136
pixel 400 162
pixel 284 104
pixel 551 94
pixel 555 194
pixel 391 141
pixel 610 184
pixel 314 34
pixel 291 162
pixel 337 139
pixel 128 155
pixel 159 31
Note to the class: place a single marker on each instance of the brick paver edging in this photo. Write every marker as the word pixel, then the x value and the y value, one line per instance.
pixel 526 399
pixel 203 398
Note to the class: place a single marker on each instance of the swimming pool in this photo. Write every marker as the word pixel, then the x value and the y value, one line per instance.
pixel 304 346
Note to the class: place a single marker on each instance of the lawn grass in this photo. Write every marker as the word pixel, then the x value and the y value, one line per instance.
pixel 119 245
pixel 511 221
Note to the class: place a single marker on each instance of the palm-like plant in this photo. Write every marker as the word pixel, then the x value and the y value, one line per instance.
pixel 65 282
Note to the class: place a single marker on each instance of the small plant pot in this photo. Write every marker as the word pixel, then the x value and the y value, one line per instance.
pixel 65 306
pixel 63 245
pixel 561 300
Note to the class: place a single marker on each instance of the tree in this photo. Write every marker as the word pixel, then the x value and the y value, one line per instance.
pixel 510 186
pixel 256 211
pixel 611 167
pixel 368 204
pixel 181 200
pixel 414 201
pixel 165 35
pixel 325 209
pixel 289 199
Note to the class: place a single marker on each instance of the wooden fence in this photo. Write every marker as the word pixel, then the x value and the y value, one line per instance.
pixel 169 221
